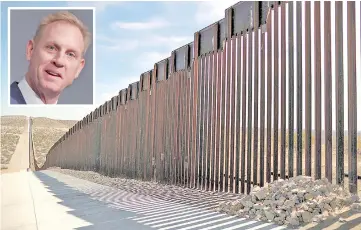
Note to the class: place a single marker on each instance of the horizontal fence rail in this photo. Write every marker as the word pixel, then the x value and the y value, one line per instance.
pixel 238 107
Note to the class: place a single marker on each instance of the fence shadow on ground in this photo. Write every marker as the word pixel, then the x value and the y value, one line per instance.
pixel 107 208
pixel 84 207
pixel 352 221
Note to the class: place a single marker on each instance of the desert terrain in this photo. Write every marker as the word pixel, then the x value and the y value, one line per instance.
pixel 11 129
pixel 46 132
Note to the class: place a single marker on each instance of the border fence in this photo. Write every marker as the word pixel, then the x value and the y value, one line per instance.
pixel 205 117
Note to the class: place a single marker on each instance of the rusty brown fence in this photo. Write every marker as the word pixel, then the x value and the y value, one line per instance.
pixel 205 117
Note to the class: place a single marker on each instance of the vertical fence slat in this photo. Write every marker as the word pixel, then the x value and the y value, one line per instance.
pixel 255 106
pixel 153 123
pixel 244 100
pixel 283 91
pixel 308 85
pixel 269 94
pixel 317 59
pixel 206 123
pixel 210 121
pixel 299 88
pixel 223 109
pixel 163 140
pixel 182 125
pixel 184 133
pixel 139 150
pixel 276 89
pixel 290 90
pixel 233 125
pixel 188 113
pixel 174 125
pixel 262 109
pixel 190 136
pixel 168 132
pixel 134 152
pixel 178 126
pixel 228 117
pixel 199 122
pixel 352 97
pixel 172 129
pixel 238 78
pixel 214 120
pixel 184 128
pixel 133 138
pixel 249 109
pixel 328 93
pixel 218 121
pixel 202 123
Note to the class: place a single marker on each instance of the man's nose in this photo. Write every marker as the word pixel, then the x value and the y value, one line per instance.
pixel 59 60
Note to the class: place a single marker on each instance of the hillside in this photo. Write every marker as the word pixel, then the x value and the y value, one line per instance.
pixel 46 132
pixel 11 128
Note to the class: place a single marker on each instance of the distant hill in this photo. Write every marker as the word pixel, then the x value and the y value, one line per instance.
pixel 46 132
pixel 17 121
pixel 11 128
pixel 47 122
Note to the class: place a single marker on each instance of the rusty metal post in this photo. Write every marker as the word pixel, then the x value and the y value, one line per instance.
pixel 317 45
pixel 352 97
pixel 244 103
pixel 308 82
pixel 328 93
pixel 238 94
pixel 290 91
pixel 299 87
pixel 249 109
pixel 256 86
pixel 276 88
pixel 283 91
pixel 269 94
pixel 228 152
pixel 262 108
pixel 339 87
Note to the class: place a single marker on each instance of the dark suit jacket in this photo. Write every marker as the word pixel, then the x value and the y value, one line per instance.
pixel 16 97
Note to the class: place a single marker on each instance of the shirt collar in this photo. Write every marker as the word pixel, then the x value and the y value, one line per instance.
pixel 28 93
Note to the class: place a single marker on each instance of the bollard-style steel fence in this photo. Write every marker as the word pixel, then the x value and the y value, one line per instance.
pixel 205 117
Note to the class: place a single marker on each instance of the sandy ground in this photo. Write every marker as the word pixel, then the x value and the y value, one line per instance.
pixel 349 219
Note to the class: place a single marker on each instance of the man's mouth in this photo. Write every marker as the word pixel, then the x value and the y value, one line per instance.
pixel 52 73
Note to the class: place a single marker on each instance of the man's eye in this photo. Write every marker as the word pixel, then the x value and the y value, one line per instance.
pixel 71 54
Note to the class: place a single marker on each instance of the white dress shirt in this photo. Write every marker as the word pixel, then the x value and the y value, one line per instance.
pixel 28 93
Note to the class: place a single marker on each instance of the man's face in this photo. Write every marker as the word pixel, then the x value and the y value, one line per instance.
pixel 55 58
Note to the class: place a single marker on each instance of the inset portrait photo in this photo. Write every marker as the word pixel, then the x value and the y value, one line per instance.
pixel 51 56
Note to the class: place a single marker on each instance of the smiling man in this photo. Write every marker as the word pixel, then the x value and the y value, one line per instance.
pixel 56 58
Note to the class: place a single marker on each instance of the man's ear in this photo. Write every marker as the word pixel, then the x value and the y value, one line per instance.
pixel 81 66
pixel 29 49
